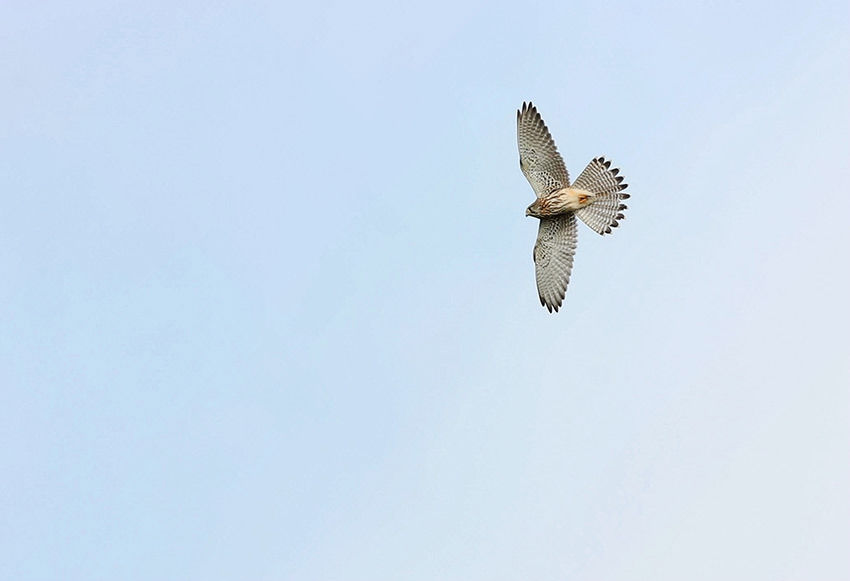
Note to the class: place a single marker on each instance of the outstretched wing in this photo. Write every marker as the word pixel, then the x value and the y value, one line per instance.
pixel 538 156
pixel 553 258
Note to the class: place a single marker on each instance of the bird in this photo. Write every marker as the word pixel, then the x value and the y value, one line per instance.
pixel 595 197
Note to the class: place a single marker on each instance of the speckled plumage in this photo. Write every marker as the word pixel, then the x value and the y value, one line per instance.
pixel 595 197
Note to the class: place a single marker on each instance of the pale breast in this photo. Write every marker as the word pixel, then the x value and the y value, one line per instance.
pixel 564 200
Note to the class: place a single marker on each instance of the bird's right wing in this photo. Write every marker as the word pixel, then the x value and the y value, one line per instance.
pixel 553 258
pixel 538 156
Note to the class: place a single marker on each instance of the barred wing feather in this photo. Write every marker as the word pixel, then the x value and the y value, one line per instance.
pixel 538 156
pixel 553 258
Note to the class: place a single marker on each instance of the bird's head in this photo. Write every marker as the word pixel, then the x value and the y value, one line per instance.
pixel 533 209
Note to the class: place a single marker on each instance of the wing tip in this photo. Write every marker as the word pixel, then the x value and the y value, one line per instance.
pixel 554 302
pixel 527 109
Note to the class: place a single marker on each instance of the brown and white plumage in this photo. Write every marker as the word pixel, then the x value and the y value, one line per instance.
pixel 595 197
pixel 538 156
pixel 553 258
pixel 608 187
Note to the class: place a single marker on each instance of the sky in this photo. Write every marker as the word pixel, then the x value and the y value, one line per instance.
pixel 269 311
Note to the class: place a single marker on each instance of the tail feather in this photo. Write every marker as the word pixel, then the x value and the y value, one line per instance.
pixel 607 208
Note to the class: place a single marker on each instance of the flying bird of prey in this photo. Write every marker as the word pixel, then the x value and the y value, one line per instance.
pixel 595 197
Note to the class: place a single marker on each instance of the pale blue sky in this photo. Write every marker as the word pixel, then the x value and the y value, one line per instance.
pixel 269 307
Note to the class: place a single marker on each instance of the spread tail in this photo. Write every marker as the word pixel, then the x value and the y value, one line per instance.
pixel 607 208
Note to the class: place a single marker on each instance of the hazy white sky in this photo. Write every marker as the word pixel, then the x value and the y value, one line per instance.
pixel 269 307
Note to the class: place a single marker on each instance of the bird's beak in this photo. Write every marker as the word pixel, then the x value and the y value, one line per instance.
pixel 527 212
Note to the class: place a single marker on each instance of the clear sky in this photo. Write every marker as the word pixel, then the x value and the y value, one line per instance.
pixel 268 303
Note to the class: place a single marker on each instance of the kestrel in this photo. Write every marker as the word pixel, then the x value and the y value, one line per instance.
pixel 595 197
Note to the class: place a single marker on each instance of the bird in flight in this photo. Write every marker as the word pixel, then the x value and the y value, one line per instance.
pixel 595 197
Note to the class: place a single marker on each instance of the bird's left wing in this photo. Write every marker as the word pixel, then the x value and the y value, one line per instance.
pixel 538 156
pixel 553 258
